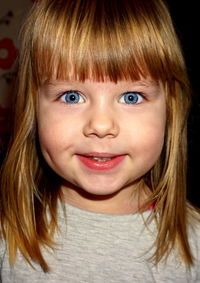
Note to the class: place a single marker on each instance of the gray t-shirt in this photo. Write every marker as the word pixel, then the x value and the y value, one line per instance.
pixel 96 248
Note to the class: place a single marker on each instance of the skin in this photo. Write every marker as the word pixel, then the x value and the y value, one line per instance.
pixel 103 122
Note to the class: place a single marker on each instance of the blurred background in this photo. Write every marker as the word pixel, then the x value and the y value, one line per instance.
pixel 12 13
pixel 187 24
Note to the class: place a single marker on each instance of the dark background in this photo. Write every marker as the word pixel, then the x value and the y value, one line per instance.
pixel 186 17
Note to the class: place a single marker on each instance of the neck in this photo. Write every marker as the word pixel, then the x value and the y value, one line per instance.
pixel 126 201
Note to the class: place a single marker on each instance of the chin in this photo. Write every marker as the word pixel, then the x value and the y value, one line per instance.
pixel 103 189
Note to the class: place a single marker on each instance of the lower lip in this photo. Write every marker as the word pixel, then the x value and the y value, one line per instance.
pixel 99 165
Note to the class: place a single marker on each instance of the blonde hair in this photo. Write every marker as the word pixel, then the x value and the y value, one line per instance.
pixel 100 40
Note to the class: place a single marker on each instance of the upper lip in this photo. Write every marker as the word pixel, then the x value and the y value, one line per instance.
pixel 100 154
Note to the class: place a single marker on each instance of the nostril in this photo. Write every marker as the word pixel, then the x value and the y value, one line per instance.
pixel 101 127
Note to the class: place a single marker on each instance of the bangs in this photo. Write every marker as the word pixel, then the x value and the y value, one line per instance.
pixel 102 40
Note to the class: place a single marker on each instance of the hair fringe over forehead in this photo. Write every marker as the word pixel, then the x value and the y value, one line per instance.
pixel 102 40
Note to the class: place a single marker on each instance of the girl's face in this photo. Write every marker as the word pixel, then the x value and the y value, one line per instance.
pixel 101 137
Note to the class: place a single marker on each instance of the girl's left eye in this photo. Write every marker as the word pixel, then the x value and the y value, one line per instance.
pixel 72 97
pixel 131 98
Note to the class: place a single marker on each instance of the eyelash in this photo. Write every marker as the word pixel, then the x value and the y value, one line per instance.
pixel 133 96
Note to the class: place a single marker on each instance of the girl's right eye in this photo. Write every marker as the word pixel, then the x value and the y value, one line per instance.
pixel 72 97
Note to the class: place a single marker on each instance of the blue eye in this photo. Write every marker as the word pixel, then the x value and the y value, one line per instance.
pixel 131 98
pixel 72 97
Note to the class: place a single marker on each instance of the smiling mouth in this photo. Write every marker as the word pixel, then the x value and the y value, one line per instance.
pixel 100 161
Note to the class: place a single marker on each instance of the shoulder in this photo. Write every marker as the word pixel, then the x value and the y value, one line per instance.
pixel 193 223
pixel 2 252
pixel 2 247
pixel 193 226
pixel 194 237
pixel 2 244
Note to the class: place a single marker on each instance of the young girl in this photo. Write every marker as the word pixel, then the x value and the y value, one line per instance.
pixel 93 187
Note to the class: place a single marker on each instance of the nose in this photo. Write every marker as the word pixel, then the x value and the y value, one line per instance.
pixel 101 124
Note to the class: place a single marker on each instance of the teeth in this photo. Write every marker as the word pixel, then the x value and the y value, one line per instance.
pixel 101 159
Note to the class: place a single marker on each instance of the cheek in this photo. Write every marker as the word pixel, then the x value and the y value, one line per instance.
pixel 152 140
pixel 53 133
pixel 152 144
pixel 147 134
